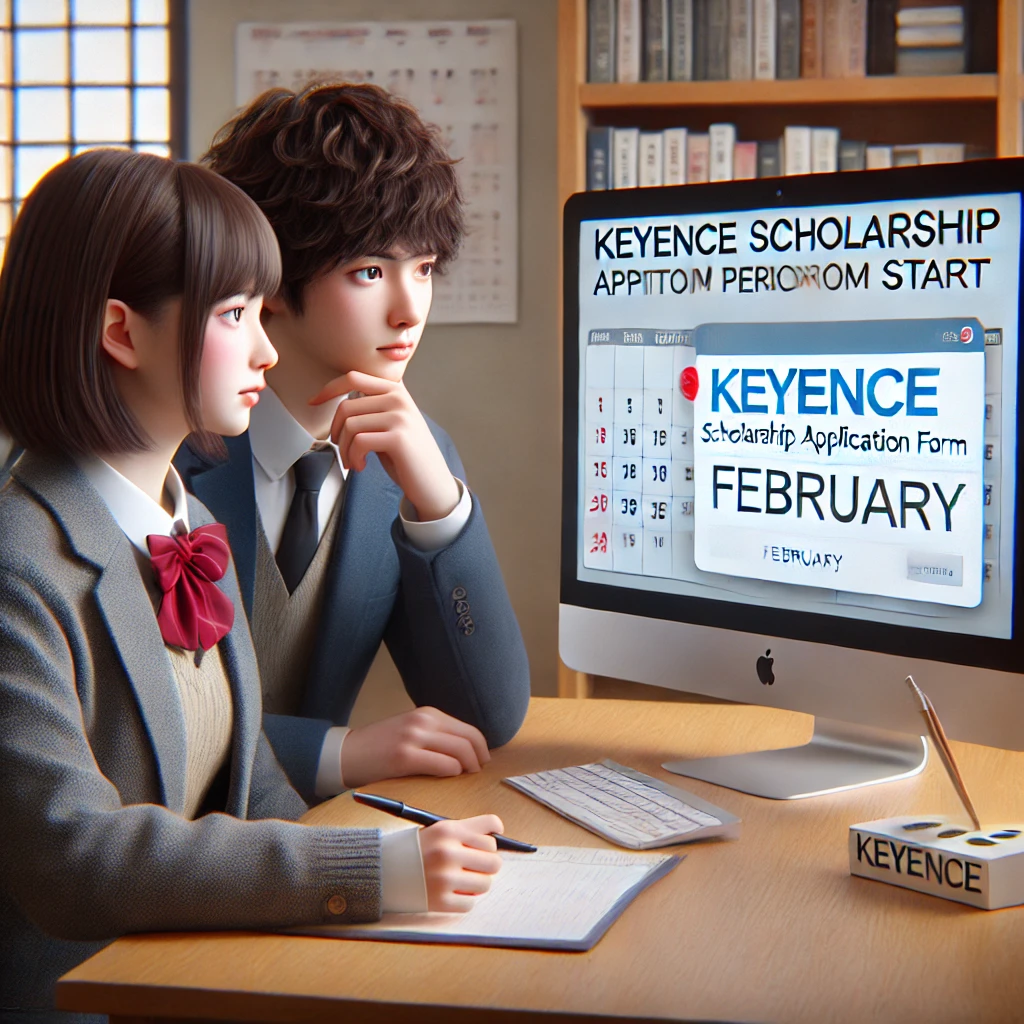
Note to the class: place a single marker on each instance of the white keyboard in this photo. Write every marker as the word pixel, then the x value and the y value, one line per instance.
pixel 625 806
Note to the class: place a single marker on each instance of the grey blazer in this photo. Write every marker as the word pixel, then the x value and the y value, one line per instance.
pixel 92 761
pixel 444 615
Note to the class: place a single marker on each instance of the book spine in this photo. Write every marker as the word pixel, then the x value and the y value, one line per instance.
pixel 855 36
pixel 681 40
pixel 796 150
pixel 930 35
pixel 833 45
pixel 852 155
pixel 768 164
pixel 878 157
pixel 741 40
pixel 721 145
pixel 952 14
pixel 930 60
pixel 601 39
pixel 824 150
pixel 650 159
pixel 674 151
pixel 744 161
pixel 599 158
pixel 787 50
pixel 881 57
pixel 942 153
pixel 718 40
pixel 905 156
pixel 655 40
pixel 697 157
pixel 625 145
pixel 812 21
pixel 765 19
pixel 700 40
pixel 627 41
pixel 982 36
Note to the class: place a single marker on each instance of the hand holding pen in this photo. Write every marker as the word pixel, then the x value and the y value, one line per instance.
pixel 459 855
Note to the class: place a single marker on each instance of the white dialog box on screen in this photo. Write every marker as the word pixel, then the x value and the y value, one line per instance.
pixel 847 455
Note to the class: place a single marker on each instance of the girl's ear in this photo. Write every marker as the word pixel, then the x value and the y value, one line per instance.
pixel 117 339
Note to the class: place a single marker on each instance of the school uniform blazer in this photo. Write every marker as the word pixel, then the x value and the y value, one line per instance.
pixel 445 615
pixel 93 843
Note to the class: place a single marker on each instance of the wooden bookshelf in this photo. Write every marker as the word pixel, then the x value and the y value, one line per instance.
pixel 980 109
pixel 984 110
pixel 873 90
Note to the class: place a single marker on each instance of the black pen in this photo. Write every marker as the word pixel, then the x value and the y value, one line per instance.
pixel 400 810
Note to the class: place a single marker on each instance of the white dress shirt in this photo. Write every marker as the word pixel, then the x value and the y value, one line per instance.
pixel 278 440
pixel 403 885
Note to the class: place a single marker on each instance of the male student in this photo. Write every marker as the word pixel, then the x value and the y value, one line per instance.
pixel 347 510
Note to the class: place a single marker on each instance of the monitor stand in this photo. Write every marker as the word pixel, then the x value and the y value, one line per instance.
pixel 839 756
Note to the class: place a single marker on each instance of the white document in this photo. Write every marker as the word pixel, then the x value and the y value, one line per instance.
pixel 626 806
pixel 561 897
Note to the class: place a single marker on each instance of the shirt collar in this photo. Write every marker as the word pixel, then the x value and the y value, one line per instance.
pixel 278 439
pixel 134 511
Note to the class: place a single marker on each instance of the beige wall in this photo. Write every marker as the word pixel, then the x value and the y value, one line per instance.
pixel 493 387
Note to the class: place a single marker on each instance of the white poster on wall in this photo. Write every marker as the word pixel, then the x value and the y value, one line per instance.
pixel 461 76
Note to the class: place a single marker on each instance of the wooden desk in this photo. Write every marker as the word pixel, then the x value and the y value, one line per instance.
pixel 771 927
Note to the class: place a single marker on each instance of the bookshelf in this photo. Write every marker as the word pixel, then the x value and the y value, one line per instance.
pixel 980 109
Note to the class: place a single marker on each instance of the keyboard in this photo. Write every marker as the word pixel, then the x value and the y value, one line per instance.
pixel 626 806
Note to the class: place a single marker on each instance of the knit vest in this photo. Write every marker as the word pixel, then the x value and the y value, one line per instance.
pixel 283 624
pixel 206 704
pixel 209 713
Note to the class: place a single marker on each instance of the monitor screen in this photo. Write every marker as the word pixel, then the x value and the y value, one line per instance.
pixel 791 408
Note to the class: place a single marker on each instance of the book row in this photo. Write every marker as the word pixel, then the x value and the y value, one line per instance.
pixel 683 40
pixel 631 158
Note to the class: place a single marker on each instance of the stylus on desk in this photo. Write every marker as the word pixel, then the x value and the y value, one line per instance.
pixel 400 810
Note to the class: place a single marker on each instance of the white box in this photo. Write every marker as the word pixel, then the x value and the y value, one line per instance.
pixel 944 857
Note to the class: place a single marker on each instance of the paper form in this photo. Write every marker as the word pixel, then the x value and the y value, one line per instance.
pixel 557 898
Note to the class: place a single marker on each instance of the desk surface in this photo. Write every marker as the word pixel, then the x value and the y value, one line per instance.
pixel 771 927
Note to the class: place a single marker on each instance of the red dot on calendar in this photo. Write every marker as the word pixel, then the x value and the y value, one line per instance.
pixel 689 383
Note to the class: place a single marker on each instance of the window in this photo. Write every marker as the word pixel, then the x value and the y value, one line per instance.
pixel 75 74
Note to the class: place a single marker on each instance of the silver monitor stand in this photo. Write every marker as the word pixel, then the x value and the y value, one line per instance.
pixel 839 756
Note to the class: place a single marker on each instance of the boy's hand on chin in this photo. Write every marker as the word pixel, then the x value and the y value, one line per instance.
pixel 385 420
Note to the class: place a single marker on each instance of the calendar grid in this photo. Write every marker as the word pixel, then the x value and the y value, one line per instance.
pixel 639 453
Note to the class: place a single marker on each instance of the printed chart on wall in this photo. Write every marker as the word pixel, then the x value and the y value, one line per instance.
pixel 813 408
pixel 461 76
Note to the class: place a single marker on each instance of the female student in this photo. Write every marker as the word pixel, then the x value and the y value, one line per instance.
pixel 129 696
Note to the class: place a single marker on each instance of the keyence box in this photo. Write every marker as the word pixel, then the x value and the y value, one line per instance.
pixel 943 857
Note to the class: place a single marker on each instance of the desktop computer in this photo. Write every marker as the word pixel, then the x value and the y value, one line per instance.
pixel 791 457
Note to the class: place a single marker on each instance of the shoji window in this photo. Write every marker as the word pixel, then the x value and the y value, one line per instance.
pixel 75 74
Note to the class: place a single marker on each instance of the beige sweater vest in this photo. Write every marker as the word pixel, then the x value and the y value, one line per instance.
pixel 283 624
pixel 205 703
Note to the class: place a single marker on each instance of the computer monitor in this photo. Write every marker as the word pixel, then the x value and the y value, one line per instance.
pixel 791 457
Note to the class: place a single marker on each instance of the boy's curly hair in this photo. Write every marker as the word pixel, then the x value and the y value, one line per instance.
pixel 341 170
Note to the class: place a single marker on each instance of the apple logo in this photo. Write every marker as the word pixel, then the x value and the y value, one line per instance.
pixel 764 668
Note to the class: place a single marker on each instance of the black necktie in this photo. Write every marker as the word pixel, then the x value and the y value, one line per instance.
pixel 301 530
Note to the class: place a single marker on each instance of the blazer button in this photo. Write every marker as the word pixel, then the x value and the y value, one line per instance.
pixel 337 905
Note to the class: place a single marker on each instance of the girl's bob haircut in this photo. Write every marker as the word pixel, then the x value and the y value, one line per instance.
pixel 114 224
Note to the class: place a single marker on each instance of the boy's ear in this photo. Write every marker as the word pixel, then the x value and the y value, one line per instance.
pixel 117 338
pixel 274 305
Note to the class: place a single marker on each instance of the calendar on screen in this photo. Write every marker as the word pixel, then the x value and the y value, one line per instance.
pixel 638 430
